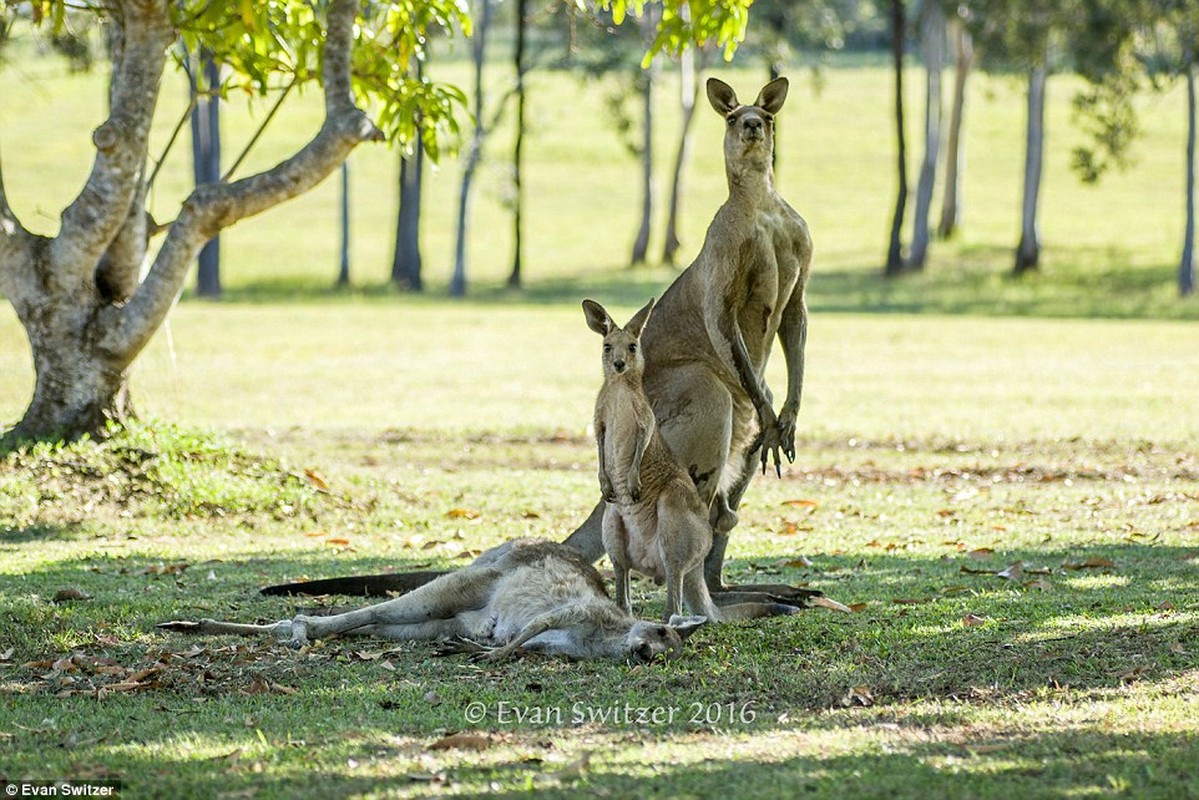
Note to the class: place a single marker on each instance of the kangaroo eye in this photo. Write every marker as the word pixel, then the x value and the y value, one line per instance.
pixel 732 121
pixel 607 348
pixel 632 348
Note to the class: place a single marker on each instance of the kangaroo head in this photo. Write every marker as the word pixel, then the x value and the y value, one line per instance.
pixel 646 641
pixel 749 135
pixel 622 346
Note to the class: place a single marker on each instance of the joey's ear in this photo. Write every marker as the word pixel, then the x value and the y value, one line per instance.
pixel 637 323
pixel 685 626
pixel 597 318
pixel 771 98
pixel 721 96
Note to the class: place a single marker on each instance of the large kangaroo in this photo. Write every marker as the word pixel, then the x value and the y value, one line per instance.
pixel 707 347
pixel 528 593
pixel 654 520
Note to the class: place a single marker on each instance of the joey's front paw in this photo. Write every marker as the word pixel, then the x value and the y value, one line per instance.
pixel 606 489
pixel 635 490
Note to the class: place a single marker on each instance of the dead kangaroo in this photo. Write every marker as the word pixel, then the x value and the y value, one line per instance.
pixel 529 593
pixel 654 521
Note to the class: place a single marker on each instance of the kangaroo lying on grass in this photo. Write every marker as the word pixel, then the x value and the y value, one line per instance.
pixel 528 593
pixel 707 347
pixel 654 521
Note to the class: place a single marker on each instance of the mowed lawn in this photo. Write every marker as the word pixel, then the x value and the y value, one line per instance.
pixel 1010 504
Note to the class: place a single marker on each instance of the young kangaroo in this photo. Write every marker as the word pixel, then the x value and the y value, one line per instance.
pixel 528 593
pixel 654 521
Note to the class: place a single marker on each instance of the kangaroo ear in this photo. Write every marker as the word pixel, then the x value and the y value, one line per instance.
pixel 685 626
pixel 597 318
pixel 721 96
pixel 771 98
pixel 637 323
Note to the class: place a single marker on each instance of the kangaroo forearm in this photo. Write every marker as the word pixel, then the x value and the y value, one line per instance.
pixel 742 363
pixel 793 334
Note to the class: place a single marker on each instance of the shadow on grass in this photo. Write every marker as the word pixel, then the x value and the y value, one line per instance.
pixel 976 280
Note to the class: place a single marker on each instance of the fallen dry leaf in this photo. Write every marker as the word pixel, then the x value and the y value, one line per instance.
pixel 973 620
pixel 316 480
pixel 858 696
pixel 338 541
pixel 911 601
pixel 1091 563
pixel 166 569
pixel 462 513
pixel 70 593
pixel 1013 572
pixel 980 553
pixel 856 607
pixel 1040 585
pixel 462 741
pixel 832 605
pixel 802 503
pixel 802 561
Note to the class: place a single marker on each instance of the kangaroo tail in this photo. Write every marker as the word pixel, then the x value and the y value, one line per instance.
pixel 743 611
pixel 359 585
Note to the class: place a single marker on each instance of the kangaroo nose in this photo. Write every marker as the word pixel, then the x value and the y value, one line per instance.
pixel 753 124
pixel 619 364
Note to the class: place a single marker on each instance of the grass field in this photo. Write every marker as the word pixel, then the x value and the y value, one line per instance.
pixel 950 430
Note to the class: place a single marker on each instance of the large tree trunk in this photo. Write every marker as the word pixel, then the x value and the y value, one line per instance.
pixel 894 265
pixel 518 150
pixel 475 154
pixel 80 295
pixel 689 73
pixel 932 45
pixel 1028 252
pixel 343 269
pixel 1186 265
pixel 955 148
pixel 206 159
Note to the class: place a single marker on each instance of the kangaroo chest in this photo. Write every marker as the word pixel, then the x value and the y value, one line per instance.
pixel 767 273
pixel 626 416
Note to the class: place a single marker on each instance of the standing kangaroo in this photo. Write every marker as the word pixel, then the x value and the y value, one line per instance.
pixel 707 347
pixel 528 593
pixel 654 521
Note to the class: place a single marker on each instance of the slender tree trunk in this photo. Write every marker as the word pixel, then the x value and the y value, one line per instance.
pixel 1186 265
pixel 647 78
pixel 932 43
pixel 206 156
pixel 343 272
pixel 475 154
pixel 1028 252
pixel 518 58
pixel 689 73
pixel 894 265
pixel 406 264
pixel 955 148
pixel 406 261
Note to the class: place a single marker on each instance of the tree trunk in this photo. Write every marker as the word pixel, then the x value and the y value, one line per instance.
pixel 955 148
pixel 406 261
pixel 343 272
pixel 475 154
pixel 646 78
pixel 1028 252
pixel 894 265
pixel 1186 265
pixel 206 158
pixel 689 73
pixel 932 43
pixel 80 295
pixel 518 58
pixel 406 264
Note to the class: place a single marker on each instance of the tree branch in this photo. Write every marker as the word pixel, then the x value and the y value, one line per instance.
pixel 91 221
pixel 212 207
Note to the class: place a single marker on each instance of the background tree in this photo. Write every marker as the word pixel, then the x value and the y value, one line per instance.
pixel 518 148
pixel 204 77
pixel 932 51
pixel 406 259
pixel 80 294
pixel 955 146
pixel 894 264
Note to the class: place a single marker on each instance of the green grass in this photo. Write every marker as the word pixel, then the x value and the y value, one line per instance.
pixel 926 440
pixel 942 440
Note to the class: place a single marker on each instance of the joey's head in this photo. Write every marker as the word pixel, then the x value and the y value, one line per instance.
pixel 648 641
pixel 622 346
pixel 749 129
